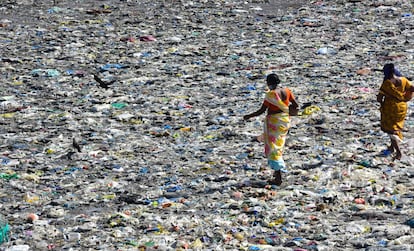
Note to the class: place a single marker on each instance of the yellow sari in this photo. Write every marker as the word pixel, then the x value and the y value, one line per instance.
pixel 394 108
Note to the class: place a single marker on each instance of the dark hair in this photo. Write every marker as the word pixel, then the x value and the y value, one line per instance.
pixel 388 70
pixel 272 79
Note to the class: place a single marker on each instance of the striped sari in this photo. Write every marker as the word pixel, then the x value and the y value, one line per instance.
pixel 276 127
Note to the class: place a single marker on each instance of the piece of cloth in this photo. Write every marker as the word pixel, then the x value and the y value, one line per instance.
pixel 272 107
pixel 397 73
pixel 276 127
pixel 394 108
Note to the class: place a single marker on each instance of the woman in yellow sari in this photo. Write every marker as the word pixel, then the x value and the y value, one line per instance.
pixel 277 124
pixel 393 95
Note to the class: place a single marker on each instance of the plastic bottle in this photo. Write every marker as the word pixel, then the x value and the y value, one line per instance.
pixel 4 229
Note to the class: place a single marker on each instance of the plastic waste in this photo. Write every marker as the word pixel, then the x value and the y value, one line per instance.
pixel 121 125
pixel 4 229
pixel 19 248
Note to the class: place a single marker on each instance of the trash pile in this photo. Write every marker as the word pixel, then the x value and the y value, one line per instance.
pixel 121 125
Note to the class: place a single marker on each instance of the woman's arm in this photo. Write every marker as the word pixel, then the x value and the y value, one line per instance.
pixel 380 98
pixel 410 86
pixel 294 102
pixel 262 109
pixel 292 99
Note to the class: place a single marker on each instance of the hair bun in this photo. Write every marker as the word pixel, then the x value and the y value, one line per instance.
pixel 272 79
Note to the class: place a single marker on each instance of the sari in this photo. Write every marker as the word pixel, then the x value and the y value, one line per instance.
pixel 394 108
pixel 276 127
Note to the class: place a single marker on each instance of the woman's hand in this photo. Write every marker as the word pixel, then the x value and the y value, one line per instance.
pixel 380 98
pixel 262 109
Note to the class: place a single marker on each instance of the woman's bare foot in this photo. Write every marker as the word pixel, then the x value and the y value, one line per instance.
pixel 396 147
pixel 277 178
pixel 397 156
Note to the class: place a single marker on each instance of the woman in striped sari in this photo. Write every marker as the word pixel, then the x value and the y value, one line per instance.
pixel 277 124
